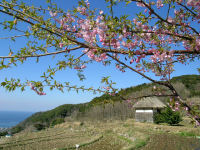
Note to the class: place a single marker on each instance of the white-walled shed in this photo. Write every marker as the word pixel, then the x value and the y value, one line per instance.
pixel 146 107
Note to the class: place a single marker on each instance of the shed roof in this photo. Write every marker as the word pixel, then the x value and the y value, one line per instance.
pixel 149 102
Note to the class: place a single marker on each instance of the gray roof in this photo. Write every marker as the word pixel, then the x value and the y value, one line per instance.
pixel 149 102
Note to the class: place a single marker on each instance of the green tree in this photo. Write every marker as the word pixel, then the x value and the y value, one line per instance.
pixel 39 126
pixel 168 116
pixel 57 121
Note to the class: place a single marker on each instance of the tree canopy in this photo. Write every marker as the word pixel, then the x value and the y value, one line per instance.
pixel 148 41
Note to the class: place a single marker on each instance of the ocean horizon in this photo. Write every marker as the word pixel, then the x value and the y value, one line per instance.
pixel 9 119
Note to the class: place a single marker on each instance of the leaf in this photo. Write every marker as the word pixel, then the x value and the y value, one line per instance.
pixel 128 2
pixel 23 89
pixel 37 60
pixel 3 83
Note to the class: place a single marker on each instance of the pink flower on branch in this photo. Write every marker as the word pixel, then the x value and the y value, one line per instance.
pixel 193 3
pixel 197 123
pixel 139 4
pixel 197 47
pixel 170 20
pixel 159 4
pixel 35 89
pixel 82 10
pixel 61 45
pixel 80 67
pixel 101 12
pixel 52 14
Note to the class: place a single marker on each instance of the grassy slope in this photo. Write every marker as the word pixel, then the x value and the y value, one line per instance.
pixel 191 82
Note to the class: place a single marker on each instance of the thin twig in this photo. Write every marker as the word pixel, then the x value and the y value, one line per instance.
pixel 12 37
pixel 41 55
pixel 187 9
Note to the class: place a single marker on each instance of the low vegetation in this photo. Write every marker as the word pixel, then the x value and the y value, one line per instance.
pixel 3 133
pixel 168 116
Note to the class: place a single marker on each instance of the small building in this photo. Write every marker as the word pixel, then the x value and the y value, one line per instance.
pixel 146 107
pixel 8 135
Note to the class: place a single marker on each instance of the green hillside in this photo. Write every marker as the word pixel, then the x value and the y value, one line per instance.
pixel 191 83
pixel 48 118
pixel 186 85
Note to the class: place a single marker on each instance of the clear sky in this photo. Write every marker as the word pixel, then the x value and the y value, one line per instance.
pixel 30 101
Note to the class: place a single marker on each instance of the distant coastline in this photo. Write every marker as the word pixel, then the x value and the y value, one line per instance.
pixel 4 129
pixel 9 119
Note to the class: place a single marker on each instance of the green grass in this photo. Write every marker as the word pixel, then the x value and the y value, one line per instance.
pixel 126 139
pixel 192 134
pixel 141 143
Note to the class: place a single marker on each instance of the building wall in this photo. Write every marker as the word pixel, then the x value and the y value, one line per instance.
pixel 142 115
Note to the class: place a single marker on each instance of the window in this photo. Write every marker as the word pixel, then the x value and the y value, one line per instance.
pixel 144 111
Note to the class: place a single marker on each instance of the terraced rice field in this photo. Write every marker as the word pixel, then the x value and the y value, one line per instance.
pixel 47 139
pixel 115 135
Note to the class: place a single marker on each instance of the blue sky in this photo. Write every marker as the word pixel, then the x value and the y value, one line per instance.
pixel 30 101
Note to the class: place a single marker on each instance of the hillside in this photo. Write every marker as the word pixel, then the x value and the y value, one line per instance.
pixel 51 117
pixel 186 84
pixel 110 135
pixel 113 108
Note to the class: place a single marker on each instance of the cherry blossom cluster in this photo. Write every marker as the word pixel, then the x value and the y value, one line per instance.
pixel 159 4
pixel 120 68
pixel 130 103
pixel 80 67
pixel 108 90
pixel 35 89
pixel 194 3
pixel 148 38
pixel 160 57
pixel 174 104
pixel 197 45
pixel 91 54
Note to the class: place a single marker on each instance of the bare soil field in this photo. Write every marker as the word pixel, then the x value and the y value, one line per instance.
pixel 111 135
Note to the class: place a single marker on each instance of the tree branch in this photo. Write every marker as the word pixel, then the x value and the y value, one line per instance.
pixel 41 55
pixel 187 9
pixel 143 75
pixel 12 37
pixel 159 17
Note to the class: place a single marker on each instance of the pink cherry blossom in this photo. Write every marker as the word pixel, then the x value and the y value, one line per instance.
pixel 52 14
pixel 197 47
pixel 170 20
pixel 101 12
pixel 139 4
pixel 159 4
pixel 61 45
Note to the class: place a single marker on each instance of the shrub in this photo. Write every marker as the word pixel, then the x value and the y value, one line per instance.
pixel 167 116
pixel 57 121
pixel 16 129
pixel 159 118
pixel 82 123
pixel 3 133
pixel 39 126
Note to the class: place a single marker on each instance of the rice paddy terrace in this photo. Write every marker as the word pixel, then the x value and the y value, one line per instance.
pixel 114 135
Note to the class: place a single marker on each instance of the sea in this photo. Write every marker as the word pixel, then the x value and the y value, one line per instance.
pixel 9 119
